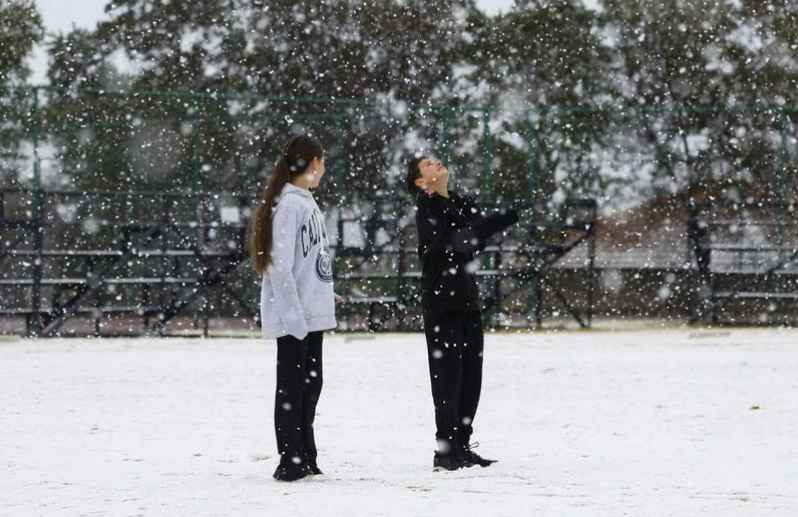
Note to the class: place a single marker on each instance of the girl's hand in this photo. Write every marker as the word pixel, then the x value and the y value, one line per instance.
pixel 338 299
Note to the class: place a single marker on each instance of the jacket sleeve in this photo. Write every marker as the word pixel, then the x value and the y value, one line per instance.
pixel 285 228
pixel 435 234
pixel 471 209
pixel 474 235
pixel 473 213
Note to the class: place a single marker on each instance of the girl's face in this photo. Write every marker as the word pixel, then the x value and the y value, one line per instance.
pixel 315 172
pixel 433 174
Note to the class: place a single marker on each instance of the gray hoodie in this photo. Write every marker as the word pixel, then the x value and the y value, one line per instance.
pixel 297 291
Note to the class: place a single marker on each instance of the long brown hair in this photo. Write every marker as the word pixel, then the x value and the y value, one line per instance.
pixel 298 153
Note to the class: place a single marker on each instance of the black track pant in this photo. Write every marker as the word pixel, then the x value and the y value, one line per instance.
pixel 455 342
pixel 299 381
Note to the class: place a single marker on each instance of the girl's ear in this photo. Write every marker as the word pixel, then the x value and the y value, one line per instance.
pixel 420 183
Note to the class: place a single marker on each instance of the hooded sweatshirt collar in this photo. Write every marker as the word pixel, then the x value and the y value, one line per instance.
pixel 293 189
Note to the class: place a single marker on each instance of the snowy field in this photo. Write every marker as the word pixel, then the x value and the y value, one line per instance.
pixel 679 422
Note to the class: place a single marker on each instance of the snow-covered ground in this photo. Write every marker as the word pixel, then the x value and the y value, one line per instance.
pixel 678 422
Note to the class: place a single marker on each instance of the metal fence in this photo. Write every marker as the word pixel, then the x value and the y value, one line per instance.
pixel 57 144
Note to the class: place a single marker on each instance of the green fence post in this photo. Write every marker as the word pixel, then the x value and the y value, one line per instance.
pixel 493 286
pixel 196 142
pixel 38 238
pixel 195 165
pixel 531 197
pixel 340 177
pixel 446 145
pixel 531 159
pixel 37 126
pixel 783 157
pixel 131 171
pixel 487 156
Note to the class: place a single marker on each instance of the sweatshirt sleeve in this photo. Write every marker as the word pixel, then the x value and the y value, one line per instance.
pixel 435 236
pixel 285 227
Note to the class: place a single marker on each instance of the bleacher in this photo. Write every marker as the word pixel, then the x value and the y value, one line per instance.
pixel 129 263
pixel 747 262
pixel 101 255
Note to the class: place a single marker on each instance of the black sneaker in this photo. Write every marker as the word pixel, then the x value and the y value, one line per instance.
pixel 315 470
pixel 474 458
pixel 292 472
pixel 451 461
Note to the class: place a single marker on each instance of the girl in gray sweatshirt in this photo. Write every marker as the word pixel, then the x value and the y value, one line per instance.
pixel 290 249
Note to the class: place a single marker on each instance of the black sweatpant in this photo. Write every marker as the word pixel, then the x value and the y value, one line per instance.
pixel 455 342
pixel 299 381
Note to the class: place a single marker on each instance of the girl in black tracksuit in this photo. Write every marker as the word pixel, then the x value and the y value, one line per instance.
pixel 450 230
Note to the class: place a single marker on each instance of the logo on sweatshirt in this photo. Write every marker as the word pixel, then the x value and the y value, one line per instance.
pixel 312 233
pixel 324 266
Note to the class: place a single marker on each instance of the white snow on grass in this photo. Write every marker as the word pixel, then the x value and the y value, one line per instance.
pixel 642 423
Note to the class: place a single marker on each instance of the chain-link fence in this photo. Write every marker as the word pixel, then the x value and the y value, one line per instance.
pixel 642 165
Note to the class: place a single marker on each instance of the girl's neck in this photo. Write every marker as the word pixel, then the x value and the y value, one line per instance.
pixel 300 181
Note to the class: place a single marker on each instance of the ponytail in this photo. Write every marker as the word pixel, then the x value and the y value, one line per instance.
pixel 260 244
pixel 297 155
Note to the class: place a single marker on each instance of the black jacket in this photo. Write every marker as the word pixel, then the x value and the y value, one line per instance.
pixel 450 231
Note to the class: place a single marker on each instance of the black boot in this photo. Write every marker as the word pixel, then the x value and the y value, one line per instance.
pixel 453 460
pixel 475 459
pixel 292 471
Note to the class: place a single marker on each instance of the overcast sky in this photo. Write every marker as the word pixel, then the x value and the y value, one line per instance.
pixel 62 15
